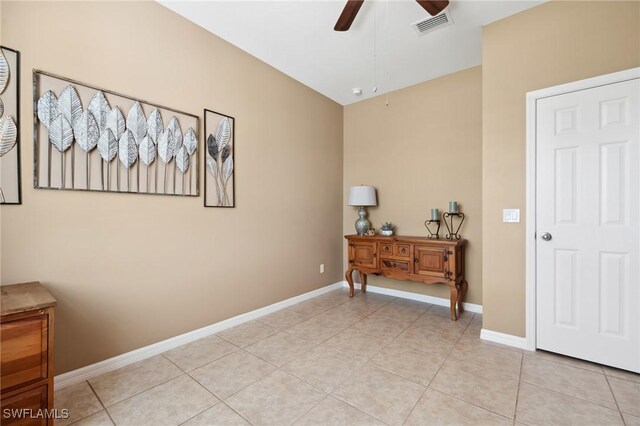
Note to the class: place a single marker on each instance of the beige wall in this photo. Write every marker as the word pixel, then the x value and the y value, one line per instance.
pixel 131 270
pixel 420 152
pixel 555 43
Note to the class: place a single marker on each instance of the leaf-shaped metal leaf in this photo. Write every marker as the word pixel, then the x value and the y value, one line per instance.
pixel 99 107
pixel 8 134
pixel 86 131
pixel 147 151
pixel 223 133
pixel 127 149
pixel 225 153
pixel 227 168
pixel 190 141
pixel 1 108
pixel 69 104
pixel 166 146
pixel 61 133
pixel 182 159
pixel 48 108
pixel 155 125
pixel 107 145
pixel 212 146
pixel 137 122
pixel 174 126
pixel 115 122
pixel 4 72
pixel 212 168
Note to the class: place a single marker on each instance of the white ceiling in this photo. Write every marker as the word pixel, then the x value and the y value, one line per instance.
pixel 297 38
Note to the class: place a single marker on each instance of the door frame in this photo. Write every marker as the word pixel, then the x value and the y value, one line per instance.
pixel 530 211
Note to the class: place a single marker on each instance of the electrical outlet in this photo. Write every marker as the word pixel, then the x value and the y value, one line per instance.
pixel 322 268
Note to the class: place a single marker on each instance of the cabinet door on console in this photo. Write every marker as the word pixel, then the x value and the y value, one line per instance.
pixel 431 261
pixel 363 254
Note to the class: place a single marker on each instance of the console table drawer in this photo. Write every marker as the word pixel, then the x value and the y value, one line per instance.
pixel 395 265
pixel 402 250
pixel 386 249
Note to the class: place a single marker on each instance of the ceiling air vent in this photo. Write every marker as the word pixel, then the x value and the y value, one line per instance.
pixel 439 21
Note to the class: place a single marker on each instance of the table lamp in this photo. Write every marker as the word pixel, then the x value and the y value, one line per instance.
pixel 361 196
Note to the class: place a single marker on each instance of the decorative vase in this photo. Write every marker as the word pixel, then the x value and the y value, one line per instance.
pixel 362 224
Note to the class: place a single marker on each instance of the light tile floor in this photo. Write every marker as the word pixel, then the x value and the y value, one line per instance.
pixel 370 360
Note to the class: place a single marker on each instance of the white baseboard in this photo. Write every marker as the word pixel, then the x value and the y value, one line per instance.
pixel 504 339
pixel 93 370
pixel 441 301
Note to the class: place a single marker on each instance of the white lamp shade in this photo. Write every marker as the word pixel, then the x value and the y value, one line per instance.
pixel 362 196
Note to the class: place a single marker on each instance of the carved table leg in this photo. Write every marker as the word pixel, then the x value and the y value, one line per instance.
pixel 462 292
pixel 363 281
pixel 349 278
pixel 454 300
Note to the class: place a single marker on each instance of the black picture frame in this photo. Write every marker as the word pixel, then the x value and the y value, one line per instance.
pixel 17 115
pixel 207 176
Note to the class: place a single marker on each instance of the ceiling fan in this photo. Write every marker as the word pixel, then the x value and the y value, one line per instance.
pixel 353 6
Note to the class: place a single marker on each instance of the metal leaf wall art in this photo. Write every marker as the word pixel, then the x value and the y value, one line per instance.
pixel 10 186
pixel 122 128
pixel 8 135
pixel 219 177
pixel 128 153
pixel 99 107
pixel 107 148
pixel 4 72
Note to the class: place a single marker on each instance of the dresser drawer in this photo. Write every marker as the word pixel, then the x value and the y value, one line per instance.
pixel 395 265
pixel 23 349
pixel 30 401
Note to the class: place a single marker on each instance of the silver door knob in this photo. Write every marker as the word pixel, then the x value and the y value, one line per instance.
pixel 546 236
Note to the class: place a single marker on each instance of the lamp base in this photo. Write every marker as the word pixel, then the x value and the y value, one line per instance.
pixel 362 224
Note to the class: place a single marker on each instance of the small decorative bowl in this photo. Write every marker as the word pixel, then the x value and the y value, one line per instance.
pixel 386 233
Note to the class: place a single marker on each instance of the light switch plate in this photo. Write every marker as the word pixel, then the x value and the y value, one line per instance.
pixel 511 215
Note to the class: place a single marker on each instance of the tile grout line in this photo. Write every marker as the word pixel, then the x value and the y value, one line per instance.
pixel 564 364
pixel 515 410
pixel 600 404
pixel 219 400
pixel 438 370
pixel 570 396
pixel 615 399
pixel 104 407
pixel 280 368
pixel 457 397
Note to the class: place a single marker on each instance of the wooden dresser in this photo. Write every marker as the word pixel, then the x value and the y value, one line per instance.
pixel 26 354
pixel 420 259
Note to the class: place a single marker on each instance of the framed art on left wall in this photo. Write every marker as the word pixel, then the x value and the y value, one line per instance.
pixel 10 185
pixel 220 142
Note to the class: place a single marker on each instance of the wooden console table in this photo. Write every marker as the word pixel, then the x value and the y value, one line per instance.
pixel 410 258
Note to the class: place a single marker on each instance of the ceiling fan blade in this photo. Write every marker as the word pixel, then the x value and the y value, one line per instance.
pixel 433 6
pixel 348 15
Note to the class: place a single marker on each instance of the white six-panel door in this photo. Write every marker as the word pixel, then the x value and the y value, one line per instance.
pixel 588 224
